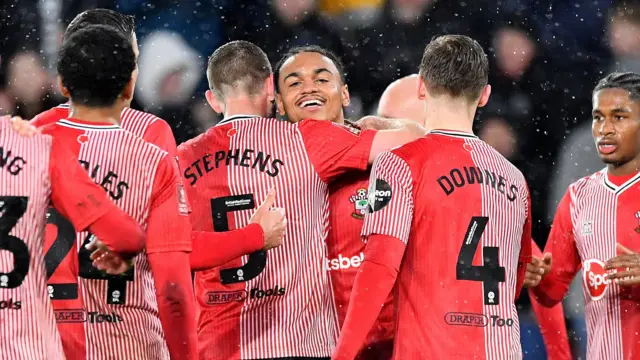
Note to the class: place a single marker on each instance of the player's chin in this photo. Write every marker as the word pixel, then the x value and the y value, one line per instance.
pixel 610 159
pixel 319 114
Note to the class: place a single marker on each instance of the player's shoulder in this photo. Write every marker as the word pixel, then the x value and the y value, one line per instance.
pixel 595 179
pixel 50 116
pixel 139 122
pixel 229 128
pixel 7 132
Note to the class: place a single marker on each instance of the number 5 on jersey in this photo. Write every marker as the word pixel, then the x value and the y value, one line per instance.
pixel 491 274
pixel 220 208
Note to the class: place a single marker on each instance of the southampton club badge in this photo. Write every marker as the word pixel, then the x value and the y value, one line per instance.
pixel 359 200
pixel 638 217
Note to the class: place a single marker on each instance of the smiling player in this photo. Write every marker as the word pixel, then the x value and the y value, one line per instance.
pixel 311 84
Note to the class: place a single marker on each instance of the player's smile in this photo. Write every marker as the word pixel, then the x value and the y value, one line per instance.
pixel 311 103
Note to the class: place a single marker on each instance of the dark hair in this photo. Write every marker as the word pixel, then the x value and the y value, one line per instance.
pixel 312 49
pixel 95 64
pixel 455 65
pixel 125 24
pixel 627 81
pixel 235 64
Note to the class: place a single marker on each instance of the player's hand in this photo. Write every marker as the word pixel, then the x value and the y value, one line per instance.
pixel 23 127
pixel 374 123
pixel 106 260
pixel 272 221
pixel 624 269
pixel 536 270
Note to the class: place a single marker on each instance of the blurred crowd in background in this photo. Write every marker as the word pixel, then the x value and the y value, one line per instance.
pixel 545 56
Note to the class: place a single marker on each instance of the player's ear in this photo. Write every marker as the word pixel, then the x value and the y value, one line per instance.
pixel 215 104
pixel 269 88
pixel 127 92
pixel 422 88
pixel 346 98
pixel 280 105
pixel 484 96
pixel 63 89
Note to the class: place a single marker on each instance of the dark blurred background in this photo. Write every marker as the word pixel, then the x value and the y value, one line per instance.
pixel 545 55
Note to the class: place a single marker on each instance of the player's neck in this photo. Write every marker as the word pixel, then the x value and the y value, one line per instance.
pixel 449 115
pixel 96 114
pixel 626 169
pixel 243 106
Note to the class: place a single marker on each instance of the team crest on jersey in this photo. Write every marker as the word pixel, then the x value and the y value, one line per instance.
pixel 83 138
pixel 359 201
pixel 638 218
pixel 587 228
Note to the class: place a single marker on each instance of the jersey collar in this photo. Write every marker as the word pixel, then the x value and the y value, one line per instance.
pixel 236 117
pixel 615 188
pixel 453 133
pixel 87 125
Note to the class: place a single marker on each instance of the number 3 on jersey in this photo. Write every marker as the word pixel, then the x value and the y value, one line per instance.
pixel 12 208
pixel 491 274
pixel 220 208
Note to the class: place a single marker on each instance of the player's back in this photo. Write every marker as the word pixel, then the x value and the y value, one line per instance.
pixel 27 323
pixel 121 313
pixel 459 274
pixel 145 125
pixel 266 305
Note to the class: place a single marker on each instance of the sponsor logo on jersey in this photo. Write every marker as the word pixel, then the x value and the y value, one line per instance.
pixel 81 315
pixel 379 195
pixel 97 318
pixel 596 279
pixel 476 320
pixel 638 217
pixel 359 200
pixel 71 316
pixel 466 319
pixel 587 228
pixel 10 304
pixel 343 262
pixel 223 297
pixel 256 293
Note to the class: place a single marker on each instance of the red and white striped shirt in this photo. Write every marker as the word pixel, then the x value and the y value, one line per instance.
pixel 463 212
pixel 347 206
pixel 121 312
pixel 279 303
pixel 34 171
pixel 597 212
pixel 145 125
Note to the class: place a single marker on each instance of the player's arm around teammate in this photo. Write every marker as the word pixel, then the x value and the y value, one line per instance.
pixel 266 231
pixel 118 236
pixel 169 233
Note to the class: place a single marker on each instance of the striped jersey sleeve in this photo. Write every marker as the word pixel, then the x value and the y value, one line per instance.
pixel 334 148
pixel 149 127
pixel 169 228
pixel 390 198
pixel 73 193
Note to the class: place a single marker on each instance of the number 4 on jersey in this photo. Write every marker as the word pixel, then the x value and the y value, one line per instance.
pixel 491 274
